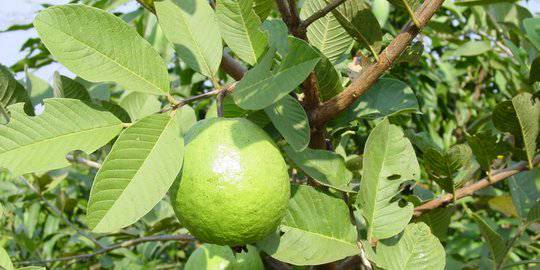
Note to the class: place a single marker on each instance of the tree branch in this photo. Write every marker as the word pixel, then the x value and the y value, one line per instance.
pixel 60 214
pixel 125 244
pixel 496 176
pixel 321 13
pixel 84 161
pixel 369 76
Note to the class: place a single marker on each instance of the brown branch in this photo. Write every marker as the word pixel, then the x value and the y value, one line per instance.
pixel 321 13
pixel 286 16
pixel 369 76
pixel 125 244
pixel 61 215
pixel 496 176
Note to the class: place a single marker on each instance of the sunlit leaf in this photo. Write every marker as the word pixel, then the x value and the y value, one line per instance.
pixel 290 119
pixel 85 40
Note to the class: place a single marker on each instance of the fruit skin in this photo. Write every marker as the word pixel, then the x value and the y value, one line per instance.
pixel 234 187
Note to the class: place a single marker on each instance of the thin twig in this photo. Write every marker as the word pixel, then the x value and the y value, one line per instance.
pixel 369 75
pixel 125 244
pixel 321 13
pixel 60 214
pixel 84 161
pixel 470 189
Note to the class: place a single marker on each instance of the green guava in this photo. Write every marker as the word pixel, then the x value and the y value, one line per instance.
pixel 234 186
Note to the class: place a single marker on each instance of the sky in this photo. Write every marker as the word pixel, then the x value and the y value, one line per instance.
pixel 23 12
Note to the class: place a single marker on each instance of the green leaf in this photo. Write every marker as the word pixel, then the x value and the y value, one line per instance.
pixel 416 249
pixel 486 147
pixel 534 75
pixel 326 167
pixel 386 98
pixel 11 91
pixel 408 5
pixel 100 47
pixel 192 27
pixel 326 34
pixel 438 220
pixel 137 173
pixel 5 261
pixel 356 18
pixel 249 260
pixel 64 126
pixel 38 88
pixel 277 35
pixel 328 79
pixel 472 48
pixel 381 10
pixel 263 8
pixel 240 28
pixel 316 230
pixel 443 166
pixel 261 87
pixel 494 240
pixel 524 192
pixel 519 117
pixel 209 256
pixel 290 119
pixel 65 87
pixel 389 161
pixel 532 28
pixel 140 105
pixel 534 213
pixel 185 118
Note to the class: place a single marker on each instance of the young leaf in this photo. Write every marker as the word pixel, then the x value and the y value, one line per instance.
pixel 240 28
pixel 493 239
pixel 524 192
pixel 316 230
pixel 101 47
pixel 192 27
pixel 389 160
pixel 326 34
pixel 140 105
pixel 386 98
pixel 326 167
pixel 415 249
pixel 519 117
pixel 356 18
pixel 64 126
pixel 261 87
pixel 137 173
pixel 290 119
pixel 65 87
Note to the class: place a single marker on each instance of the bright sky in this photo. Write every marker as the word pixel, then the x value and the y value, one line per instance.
pixel 23 12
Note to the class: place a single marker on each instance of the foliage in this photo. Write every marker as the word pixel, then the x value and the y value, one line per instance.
pixel 87 160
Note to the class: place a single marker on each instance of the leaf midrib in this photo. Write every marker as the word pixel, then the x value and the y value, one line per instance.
pixel 58 137
pixel 100 53
pixel 322 235
pixel 136 174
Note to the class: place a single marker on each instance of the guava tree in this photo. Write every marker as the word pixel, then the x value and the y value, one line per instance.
pixel 262 134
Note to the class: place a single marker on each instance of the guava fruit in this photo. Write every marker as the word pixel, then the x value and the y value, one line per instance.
pixel 234 186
